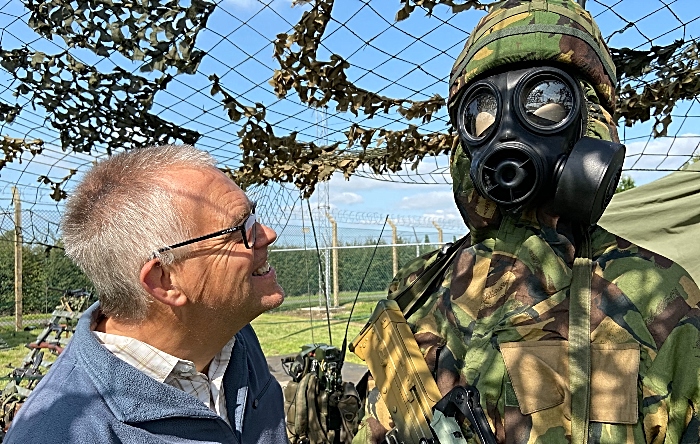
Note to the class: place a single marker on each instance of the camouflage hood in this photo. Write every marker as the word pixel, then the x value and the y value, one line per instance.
pixel 548 31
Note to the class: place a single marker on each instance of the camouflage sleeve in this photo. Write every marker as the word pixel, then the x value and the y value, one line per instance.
pixel 376 421
pixel 656 303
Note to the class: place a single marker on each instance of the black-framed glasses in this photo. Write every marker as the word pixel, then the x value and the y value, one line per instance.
pixel 247 229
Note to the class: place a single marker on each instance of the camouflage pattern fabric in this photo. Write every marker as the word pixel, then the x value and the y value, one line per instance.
pixel 550 31
pixel 499 321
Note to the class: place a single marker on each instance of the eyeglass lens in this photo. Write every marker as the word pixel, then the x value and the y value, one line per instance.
pixel 250 231
pixel 480 114
pixel 548 102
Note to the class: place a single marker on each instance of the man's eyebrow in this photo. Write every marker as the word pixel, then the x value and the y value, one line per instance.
pixel 241 216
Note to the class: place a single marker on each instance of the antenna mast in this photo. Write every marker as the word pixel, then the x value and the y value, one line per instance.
pixel 324 207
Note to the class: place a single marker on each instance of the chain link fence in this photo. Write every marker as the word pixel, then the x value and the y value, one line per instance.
pixel 319 260
pixel 44 272
pixel 319 266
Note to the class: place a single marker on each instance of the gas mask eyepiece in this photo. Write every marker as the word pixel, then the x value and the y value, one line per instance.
pixel 519 127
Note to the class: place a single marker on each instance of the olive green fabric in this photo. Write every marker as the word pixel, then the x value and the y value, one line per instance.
pixel 663 216
pixel 550 31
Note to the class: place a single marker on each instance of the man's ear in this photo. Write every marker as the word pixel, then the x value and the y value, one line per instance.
pixel 155 279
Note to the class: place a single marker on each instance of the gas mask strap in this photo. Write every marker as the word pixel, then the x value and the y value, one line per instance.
pixel 580 339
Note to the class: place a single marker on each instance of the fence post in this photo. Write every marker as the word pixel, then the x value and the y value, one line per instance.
pixel 336 287
pixel 18 259
pixel 394 248
pixel 439 230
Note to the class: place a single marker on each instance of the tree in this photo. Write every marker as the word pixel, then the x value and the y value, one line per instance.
pixel 626 183
pixel 45 276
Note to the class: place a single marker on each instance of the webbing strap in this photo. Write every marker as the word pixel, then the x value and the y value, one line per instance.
pixel 580 342
pixel 414 295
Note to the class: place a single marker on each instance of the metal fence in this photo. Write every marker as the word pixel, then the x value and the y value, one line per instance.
pixel 319 259
pixel 39 267
pixel 333 266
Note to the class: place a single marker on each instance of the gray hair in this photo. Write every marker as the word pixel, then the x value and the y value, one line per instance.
pixel 121 212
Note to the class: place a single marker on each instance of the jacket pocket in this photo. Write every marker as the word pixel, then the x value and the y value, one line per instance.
pixel 539 373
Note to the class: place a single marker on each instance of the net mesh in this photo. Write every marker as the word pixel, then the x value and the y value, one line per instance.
pixel 285 94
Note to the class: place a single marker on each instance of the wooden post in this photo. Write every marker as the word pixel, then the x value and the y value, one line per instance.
pixel 336 287
pixel 18 259
pixel 439 230
pixel 394 248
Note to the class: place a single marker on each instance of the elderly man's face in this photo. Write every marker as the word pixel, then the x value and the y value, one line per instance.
pixel 221 273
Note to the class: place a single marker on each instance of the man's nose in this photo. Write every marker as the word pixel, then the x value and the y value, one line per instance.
pixel 265 236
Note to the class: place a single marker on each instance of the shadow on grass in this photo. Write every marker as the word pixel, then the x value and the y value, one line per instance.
pixel 15 338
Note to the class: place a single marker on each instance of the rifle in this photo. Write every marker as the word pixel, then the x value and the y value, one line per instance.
pixel 420 413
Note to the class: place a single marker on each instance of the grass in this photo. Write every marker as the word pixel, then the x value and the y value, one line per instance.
pixel 284 333
pixel 29 321
pixel 13 356
pixel 345 298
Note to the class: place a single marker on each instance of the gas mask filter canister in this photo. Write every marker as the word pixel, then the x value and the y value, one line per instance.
pixel 522 130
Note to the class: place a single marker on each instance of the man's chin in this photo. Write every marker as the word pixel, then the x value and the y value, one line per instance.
pixel 270 293
pixel 272 298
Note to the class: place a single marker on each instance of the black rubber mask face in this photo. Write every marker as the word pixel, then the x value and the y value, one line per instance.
pixel 518 127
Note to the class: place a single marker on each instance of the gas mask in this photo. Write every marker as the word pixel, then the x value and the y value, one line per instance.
pixel 523 132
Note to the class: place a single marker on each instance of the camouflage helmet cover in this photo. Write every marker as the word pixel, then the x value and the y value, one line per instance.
pixel 517 31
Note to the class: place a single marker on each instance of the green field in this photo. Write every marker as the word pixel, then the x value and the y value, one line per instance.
pixel 284 332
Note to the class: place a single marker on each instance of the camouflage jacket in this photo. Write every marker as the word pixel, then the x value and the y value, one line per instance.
pixel 500 321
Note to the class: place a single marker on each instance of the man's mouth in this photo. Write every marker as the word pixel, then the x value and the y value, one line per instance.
pixel 263 270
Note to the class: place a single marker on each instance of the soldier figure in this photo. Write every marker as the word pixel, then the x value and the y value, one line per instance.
pixel 569 333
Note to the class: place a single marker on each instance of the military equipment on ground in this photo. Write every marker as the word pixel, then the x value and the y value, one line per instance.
pixel 319 406
pixel 54 338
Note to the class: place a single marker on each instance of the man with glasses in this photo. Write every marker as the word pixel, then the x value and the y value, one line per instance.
pixel 167 354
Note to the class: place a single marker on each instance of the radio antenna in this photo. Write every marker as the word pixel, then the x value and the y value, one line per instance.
pixel 308 278
pixel 321 274
pixel 345 338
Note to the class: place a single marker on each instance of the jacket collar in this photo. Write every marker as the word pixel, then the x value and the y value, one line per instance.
pixel 130 394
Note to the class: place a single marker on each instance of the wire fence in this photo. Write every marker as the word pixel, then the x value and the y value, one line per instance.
pixel 336 266
pixel 317 262
pixel 367 65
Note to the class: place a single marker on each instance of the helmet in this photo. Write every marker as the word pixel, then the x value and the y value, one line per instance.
pixel 559 32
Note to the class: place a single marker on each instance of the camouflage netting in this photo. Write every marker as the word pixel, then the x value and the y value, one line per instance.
pixel 286 95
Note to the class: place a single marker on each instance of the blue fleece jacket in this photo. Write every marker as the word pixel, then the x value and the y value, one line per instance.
pixel 91 396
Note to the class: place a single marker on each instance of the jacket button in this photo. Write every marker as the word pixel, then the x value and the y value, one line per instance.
pixel 255 404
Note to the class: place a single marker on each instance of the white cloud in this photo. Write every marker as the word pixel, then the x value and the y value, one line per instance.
pixel 665 153
pixel 345 198
pixel 427 201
